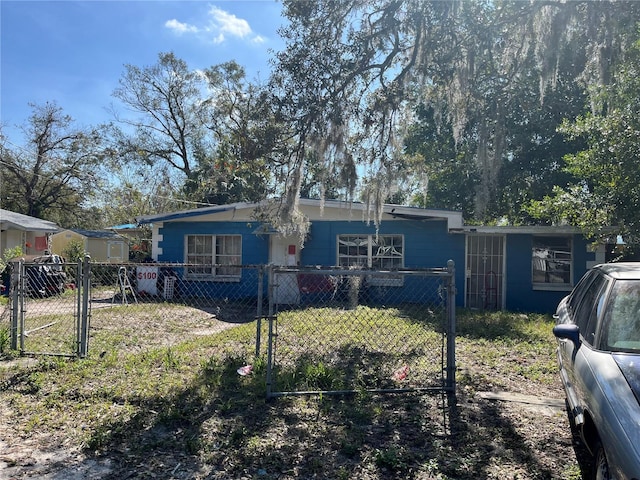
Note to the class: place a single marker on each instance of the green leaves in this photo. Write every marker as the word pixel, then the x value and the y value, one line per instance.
pixel 606 189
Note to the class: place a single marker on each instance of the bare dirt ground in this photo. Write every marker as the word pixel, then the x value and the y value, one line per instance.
pixel 520 436
pixel 496 427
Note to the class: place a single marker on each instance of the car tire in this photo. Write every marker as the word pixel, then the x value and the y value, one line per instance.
pixel 600 465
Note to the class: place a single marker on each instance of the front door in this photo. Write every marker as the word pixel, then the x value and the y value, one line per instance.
pixel 285 251
pixel 485 272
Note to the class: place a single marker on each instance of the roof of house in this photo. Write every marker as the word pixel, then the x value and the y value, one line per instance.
pixel 182 214
pixel 17 221
pixel 97 233
pixel 125 227
pixel 454 219
pixel 94 233
pixel 524 229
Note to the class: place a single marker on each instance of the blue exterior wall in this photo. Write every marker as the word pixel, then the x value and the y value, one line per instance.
pixel 427 244
pixel 520 295
pixel 255 251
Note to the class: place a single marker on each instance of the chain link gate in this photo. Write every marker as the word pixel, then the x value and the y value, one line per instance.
pixel 334 331
pixel 49 308
pixel 127 305
pixel 330 330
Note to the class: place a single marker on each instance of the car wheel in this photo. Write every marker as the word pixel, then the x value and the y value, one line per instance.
pixel 601 465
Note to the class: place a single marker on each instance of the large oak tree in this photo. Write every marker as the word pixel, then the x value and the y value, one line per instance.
pixel 353 72
pixel 55 172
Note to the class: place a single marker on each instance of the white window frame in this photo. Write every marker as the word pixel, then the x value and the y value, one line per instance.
pixel 379 254
pixel 547 263
pixel 213 262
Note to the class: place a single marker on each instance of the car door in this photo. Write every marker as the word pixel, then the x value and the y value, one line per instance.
pixel 584 313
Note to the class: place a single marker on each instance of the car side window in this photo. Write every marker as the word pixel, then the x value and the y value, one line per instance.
pixel 589 308
pixel 590 330
pixel 578 293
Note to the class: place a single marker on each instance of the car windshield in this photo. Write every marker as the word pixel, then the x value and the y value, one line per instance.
pixel 621 327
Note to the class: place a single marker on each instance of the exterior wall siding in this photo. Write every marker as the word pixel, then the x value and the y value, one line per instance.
pixel 427 244
pixel 59 241
pixel 12 239
pixel 520 294
pixel 255 248
pixel 255 251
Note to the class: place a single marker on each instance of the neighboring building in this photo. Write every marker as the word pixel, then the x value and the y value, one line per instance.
pixel 102 246
pixel 135 238
pixel 29 233
pixel 522 269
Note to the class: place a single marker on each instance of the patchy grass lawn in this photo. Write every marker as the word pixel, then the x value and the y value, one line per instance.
pixel 178 409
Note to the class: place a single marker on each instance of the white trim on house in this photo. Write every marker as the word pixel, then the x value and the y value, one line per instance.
pixel 531 229
pixel 156 239
pixel 313 209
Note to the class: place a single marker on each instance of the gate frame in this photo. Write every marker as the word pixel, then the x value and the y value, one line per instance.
pixel 449 385
pixel 18 310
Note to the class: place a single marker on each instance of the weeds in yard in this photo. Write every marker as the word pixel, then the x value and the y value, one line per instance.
pixel 391 458
pixel 184 404
pixel 5 340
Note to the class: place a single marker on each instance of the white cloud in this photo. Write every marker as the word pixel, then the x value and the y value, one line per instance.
pixel 221 27
pixel 227 23
pixel 218 39
pixel 258 39
pixel 179 27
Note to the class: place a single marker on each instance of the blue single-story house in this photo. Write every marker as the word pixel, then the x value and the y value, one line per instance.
pixel 525 269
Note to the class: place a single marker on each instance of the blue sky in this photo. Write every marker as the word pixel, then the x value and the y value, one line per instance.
pixel 74 52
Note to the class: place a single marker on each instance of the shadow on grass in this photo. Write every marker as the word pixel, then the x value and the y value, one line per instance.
pixel 353 367
pixel 222 426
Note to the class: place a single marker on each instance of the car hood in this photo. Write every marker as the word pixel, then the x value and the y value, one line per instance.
pixel 630 367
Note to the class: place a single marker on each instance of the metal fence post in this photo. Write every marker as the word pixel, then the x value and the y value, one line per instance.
pixel 16 301
pixel 451 330
pixel 83 317
pixel 259 309
pixel 22 289
pixel 78 307
pixel 270 360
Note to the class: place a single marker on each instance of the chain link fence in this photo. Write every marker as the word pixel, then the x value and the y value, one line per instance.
pixel 328 330
pixel 148 304
pixel 339 331
pixel 161 286
pixel 45 307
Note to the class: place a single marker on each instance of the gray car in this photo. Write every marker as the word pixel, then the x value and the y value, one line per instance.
pixel 598 331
